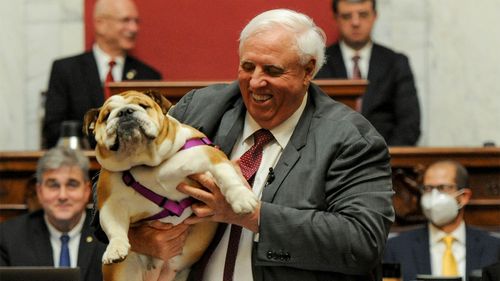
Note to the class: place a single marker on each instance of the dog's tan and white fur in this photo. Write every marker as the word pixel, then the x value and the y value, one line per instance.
pixel 134 132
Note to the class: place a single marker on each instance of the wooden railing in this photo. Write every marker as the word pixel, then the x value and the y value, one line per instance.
pixel 344 91
pixel 408 163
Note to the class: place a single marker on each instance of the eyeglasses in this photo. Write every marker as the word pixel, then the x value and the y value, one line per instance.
pixel 124 20
pixel 439 187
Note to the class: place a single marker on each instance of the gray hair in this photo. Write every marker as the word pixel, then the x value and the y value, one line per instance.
pixel 58 157
pixel 310 39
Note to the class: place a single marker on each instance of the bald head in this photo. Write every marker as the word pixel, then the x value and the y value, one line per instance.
pixel 116 24
pixel 448 169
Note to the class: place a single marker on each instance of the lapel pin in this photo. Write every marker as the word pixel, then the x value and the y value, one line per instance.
pixel 89 239
pixel 131 74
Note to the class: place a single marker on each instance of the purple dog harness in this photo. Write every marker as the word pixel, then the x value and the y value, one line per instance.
pixel 170 207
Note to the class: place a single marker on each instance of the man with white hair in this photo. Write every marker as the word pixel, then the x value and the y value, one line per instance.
pixel 322 172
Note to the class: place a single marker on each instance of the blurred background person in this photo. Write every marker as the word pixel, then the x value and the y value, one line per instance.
pixel 59 234
pixel 390 102
pixel 77 83
pixel 446 246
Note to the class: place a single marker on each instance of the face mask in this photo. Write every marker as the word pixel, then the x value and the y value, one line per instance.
pixel 439 207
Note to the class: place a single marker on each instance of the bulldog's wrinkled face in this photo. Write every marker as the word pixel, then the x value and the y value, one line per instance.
pixel 128 121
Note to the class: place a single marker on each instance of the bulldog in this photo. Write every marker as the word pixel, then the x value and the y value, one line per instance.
pixel 144 154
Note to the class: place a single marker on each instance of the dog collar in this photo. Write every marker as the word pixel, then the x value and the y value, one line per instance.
pixel 195 142
pixel 170 207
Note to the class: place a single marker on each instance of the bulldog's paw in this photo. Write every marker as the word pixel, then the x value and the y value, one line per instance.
pixel 242 200
pixel 116 251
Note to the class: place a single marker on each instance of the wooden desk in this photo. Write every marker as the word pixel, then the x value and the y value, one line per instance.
pixel 408 164
pixel 344 91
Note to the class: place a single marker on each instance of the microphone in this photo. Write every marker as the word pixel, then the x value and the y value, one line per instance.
pixel 270 176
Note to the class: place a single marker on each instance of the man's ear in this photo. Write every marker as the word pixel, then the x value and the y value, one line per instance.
pixel 89 121
pixel 309 70
pixel 465 197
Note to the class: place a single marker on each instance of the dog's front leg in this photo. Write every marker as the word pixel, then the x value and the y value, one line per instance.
pixel 115 222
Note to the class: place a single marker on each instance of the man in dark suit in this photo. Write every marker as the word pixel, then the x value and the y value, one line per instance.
pixel 77 83
pixel 63 189
pixel 390 102
pixel 324 179
pixel 421 251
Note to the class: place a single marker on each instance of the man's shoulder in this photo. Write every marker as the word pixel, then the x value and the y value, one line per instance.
pixel 143 66
pixel 483 235
pixel 418 232
pixel 75 58
pixel 386 52
pixel 21 221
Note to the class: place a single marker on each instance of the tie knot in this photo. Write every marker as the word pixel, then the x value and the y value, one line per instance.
pixel 262 137
pixel 448 240
pixel 356 58
pixel 111 63
pixel 64 238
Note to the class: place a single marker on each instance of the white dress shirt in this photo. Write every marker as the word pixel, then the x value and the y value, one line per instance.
pixel 102 59
pixel 73 244
pixel 437 248
pixel 364 58
pixel 270 156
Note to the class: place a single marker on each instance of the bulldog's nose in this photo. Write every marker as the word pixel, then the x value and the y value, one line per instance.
pixel 125 112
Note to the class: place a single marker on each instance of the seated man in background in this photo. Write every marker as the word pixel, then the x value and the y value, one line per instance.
pixel 446 246
pixel 59 234
pixel 390 102
pixel 77 83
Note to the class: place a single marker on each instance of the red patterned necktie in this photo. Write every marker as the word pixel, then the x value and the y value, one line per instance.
pixel 356 74
pixel 249 164
pixel 109 78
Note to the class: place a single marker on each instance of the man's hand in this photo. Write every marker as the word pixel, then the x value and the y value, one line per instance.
pixel 213 206
pixel 157 239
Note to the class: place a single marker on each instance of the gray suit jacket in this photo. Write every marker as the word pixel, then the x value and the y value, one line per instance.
pixel 411 250
pixel 327 214
pixel 25 241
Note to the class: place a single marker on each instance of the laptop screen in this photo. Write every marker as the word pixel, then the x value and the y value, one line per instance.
pixel 29 273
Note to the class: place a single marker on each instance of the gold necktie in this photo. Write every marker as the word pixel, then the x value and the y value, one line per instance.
pixel 449 262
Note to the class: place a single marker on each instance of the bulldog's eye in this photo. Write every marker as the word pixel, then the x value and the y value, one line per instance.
pixel 145 106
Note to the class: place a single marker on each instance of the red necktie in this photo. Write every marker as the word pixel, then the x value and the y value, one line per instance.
pixel 249 164
pixel 356 74
pixel 109 78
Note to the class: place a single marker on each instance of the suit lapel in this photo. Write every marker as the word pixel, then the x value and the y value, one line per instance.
pixel 473 250
pixel 41 242
pixel 376 72
pixel 291 152
pixel 230 128
pixel 337 62
pixel 421 254
pixel 87 247
pixel 91 77
pixel 129 69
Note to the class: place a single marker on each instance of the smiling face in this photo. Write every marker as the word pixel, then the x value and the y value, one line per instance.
pixel 64 193
pixel 272 81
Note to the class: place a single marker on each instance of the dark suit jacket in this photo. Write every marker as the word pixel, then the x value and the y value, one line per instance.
pixel 75 87
pixel 25 241
pixel 390 102
pixel 491 272
pixel 327 214
pixel 411 250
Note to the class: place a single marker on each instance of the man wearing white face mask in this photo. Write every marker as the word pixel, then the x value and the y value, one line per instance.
pixel 445 246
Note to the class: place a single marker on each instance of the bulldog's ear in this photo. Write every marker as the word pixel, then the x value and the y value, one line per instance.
pixel 160 99
pixel 89 120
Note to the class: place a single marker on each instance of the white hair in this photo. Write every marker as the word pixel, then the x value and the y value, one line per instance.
pixel 309 38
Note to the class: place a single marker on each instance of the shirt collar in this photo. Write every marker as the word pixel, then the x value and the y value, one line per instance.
pixel 72 233
pixel 103 58
pixel 283 132
pixel 363 53
pixel 436 235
